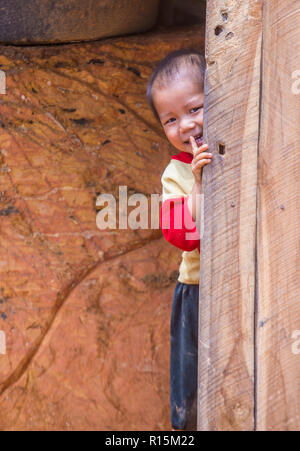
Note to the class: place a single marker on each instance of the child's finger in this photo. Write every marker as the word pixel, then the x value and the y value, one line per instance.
pixel 202 155
pixel 194 144
pixel 203 147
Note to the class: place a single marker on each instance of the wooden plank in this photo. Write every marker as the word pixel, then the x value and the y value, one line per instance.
pixel 278 250
pixel 227 260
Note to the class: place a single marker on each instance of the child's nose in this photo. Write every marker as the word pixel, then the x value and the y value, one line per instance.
pixel 186 123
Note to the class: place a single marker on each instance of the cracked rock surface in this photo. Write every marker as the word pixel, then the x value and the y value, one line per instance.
pixel 85 311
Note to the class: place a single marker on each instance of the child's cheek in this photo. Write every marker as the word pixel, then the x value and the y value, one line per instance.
pixel 200 116
pixel 169 134
pixel 172 132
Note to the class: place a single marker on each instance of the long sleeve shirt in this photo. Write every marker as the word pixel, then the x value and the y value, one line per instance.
pixel 176 221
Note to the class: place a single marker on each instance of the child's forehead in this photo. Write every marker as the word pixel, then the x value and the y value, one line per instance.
pixel 177 95
pixel 184 84
pixel 182 76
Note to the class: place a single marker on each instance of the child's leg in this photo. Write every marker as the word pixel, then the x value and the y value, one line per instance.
pixel 184 356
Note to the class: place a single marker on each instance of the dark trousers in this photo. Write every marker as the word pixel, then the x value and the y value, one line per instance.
pixel 184 356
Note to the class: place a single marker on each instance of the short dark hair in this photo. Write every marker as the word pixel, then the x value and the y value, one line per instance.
pixel 171 65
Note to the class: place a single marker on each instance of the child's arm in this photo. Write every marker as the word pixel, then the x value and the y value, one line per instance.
pixel 201 158
pixel 194 200
pixel 177 224
pixel 179 211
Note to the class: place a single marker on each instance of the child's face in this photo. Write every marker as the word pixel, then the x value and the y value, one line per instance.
pixel 180 109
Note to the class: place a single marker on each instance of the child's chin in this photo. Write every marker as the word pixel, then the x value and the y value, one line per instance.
pixel 188 149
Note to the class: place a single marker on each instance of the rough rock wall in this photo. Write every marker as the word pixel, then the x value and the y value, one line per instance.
pixel 85 311
pixel 54 21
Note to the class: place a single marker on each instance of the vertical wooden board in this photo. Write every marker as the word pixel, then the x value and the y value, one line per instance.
pixel 227 259
pixel 278 246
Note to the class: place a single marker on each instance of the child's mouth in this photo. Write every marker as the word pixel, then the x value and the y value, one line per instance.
pixel 198 139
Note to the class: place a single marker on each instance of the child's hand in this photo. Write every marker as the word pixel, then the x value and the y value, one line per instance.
pixel 201 158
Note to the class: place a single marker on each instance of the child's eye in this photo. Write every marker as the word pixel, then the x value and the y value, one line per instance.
pixel 194 110
pixel 169 121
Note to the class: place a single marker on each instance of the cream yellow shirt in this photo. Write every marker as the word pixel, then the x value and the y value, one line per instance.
pixel 177 182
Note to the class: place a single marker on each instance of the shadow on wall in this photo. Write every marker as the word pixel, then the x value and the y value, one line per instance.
pixel 48 21
pixel 182 12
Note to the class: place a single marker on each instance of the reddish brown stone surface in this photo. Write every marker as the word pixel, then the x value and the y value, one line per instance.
pixel 85 311
pixel 48 21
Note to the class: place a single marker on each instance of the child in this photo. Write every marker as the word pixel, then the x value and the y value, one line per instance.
pixel 176 94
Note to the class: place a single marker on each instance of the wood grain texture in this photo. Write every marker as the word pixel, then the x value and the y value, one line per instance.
pixel 227 260
pixel 278 246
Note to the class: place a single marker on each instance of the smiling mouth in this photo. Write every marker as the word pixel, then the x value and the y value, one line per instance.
pixel 198 139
